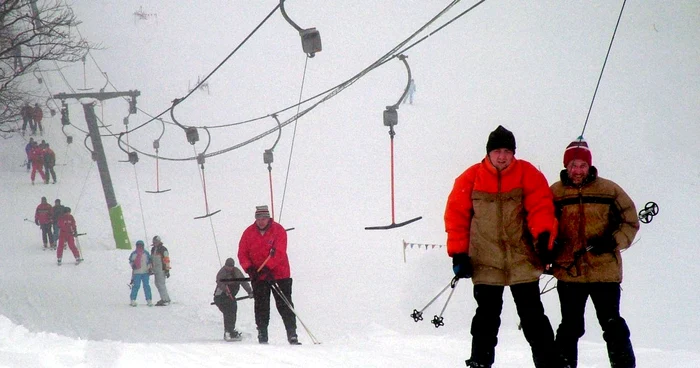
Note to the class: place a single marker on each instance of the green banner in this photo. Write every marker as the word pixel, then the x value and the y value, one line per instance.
pixel 121 236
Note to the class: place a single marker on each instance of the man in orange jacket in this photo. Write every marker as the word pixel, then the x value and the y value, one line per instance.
pixel 495 210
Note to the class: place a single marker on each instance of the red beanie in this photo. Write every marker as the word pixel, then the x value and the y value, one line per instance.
pixel 577 149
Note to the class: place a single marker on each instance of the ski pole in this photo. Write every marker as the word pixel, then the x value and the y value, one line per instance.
pixel 417 315
pixel 80 249
pixel 237 299
pixel 276 288
pixel 437 320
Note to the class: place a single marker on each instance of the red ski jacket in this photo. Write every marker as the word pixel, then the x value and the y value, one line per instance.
pixel 254 248
pixel 44 213
pixel 67 224
pixel 37 156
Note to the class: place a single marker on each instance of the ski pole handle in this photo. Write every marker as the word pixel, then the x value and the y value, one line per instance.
pixel 264 263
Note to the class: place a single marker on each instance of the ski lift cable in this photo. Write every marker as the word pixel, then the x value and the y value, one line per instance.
pixel 215 69
pixel 138 190
pixel 268 158
pixel 294 134
pixel 595 92
pixel 345 83
pixel 329 93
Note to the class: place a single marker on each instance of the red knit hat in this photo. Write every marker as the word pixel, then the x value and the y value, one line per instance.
pixel 578 149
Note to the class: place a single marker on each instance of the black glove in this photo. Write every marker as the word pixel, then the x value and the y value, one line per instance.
pixel 272 252
pixel 542 246
pixel 265 274
pixel 601 244
pixel 462 266
pixel 252 273
pixel 167 274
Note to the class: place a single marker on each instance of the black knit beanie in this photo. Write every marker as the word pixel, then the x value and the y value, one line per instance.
pixel 500 138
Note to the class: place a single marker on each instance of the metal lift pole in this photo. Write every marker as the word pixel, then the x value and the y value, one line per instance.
pixel 121 236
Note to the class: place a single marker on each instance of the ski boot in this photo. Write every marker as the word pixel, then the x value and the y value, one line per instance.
pixel 58 261
pixel 133 303
pixel 262 335
pixel 78 261
pixel 292 337
pixel 149 302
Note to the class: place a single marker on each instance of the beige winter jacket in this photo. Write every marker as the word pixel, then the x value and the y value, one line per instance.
pixel 598 208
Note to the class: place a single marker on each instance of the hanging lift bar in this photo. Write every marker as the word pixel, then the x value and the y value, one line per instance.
pixel 268 158
pixel 192 138
pixel 156 146
pixel 391 118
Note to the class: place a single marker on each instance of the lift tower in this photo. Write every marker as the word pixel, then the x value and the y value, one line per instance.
pixel 121 237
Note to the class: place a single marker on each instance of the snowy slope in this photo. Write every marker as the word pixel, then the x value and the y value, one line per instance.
pixel 530 67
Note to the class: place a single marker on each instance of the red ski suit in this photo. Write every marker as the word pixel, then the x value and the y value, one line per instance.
pixel 66 224
pixel 37 157
pixel 254 248
pixel 43 214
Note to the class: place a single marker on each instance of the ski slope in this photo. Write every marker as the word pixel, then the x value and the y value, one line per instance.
pixel 530 67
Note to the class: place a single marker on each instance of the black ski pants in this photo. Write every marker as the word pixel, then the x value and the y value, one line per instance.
pixel 47 234
pixel 50 172
pixel 261 293
pixel 606 300
pixel 229 307
pixel 535 324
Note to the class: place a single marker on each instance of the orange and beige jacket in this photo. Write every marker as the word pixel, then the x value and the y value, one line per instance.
pixel 493 216
pixel 596 208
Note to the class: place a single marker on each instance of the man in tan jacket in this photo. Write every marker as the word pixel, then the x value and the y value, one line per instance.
pixel 597 220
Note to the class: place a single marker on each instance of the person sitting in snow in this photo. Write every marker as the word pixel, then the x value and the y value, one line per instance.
pixel 227 286
pixel 141 266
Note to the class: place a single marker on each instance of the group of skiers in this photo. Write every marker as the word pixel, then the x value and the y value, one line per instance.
pixel 506 227
pixel 262 252
pixel 143 265
pixel 32 116
pixel 42 160
pixel 57 226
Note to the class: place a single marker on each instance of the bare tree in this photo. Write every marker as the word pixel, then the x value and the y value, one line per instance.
pixel 33 31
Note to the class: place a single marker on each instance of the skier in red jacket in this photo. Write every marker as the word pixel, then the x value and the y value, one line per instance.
pixel 262 252
pixel 36 155
pixel 43 216
pixel 67 233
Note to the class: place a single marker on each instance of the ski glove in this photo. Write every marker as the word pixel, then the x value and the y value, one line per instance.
pixel 546 255
pixel 462 266
pixel 252 273
pixel 167 274
pixel 601 244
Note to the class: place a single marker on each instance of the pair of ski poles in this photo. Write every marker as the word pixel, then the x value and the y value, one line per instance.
pixel 277 290
pixel 437 320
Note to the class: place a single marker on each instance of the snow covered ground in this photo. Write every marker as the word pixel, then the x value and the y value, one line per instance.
pixel 529 66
